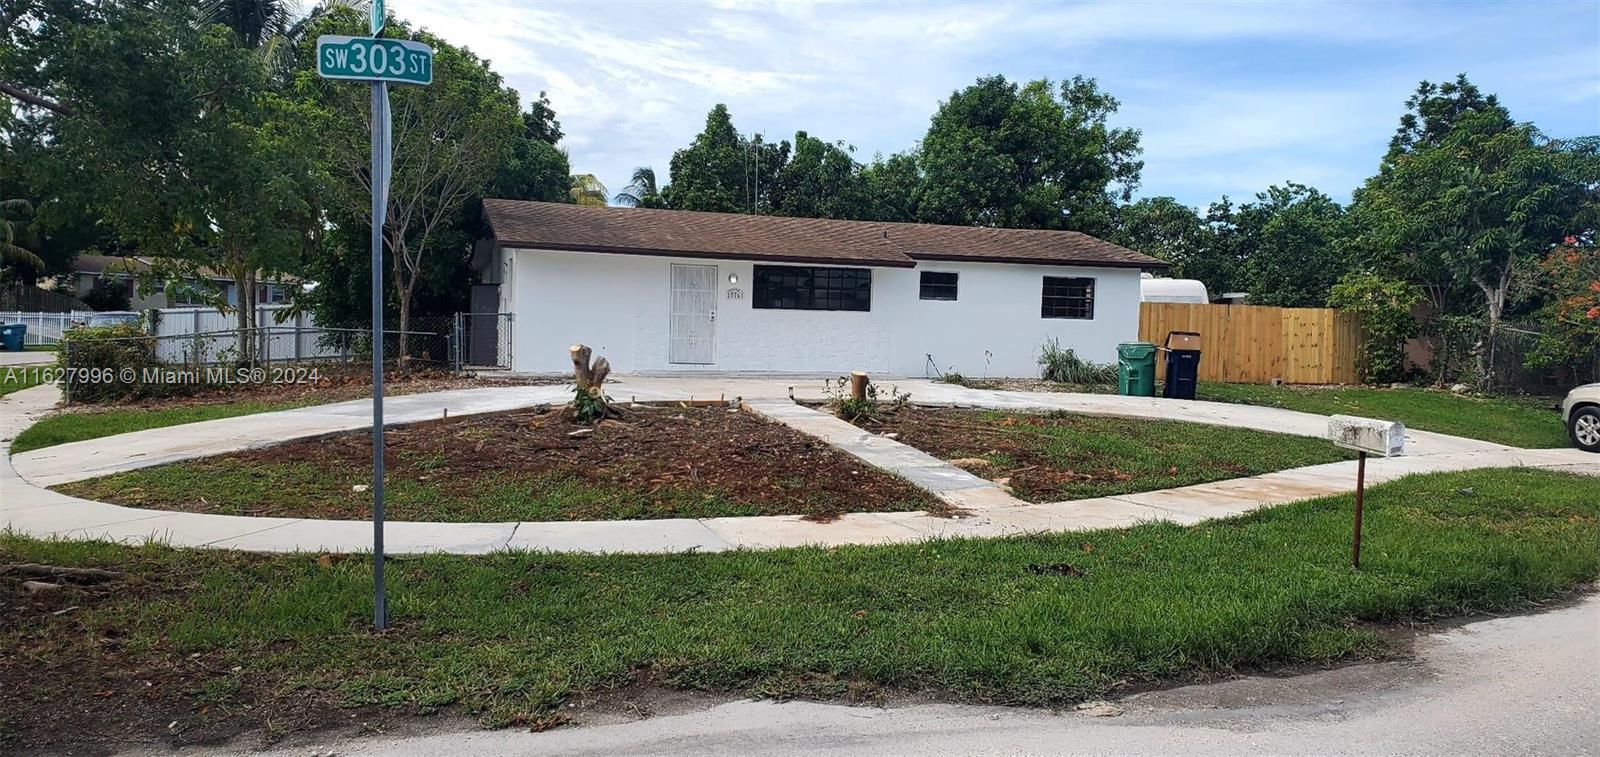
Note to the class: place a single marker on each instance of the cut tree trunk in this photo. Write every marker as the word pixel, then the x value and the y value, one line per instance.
pixel 591 377
pixel 858 385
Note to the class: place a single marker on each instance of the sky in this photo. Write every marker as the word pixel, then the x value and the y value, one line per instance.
pixel 1230 98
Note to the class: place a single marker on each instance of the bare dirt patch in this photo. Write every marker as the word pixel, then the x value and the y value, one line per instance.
pixel 527 465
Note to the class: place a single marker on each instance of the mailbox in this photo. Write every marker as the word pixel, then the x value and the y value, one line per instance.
pixel 1374 437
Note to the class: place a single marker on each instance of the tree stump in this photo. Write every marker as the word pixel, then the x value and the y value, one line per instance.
pixel 591 378
pixel 858 385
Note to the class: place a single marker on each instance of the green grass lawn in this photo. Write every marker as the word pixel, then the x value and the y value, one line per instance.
pixel 74 426
pixel 1060 456
pixel 1517 421
pixel 511 637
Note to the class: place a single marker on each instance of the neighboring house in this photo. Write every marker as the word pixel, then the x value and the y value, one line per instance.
pixel 666 290
pixel 90 270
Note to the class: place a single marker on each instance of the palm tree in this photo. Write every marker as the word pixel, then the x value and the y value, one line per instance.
pixel 10 252
pixel 274 28
pixel 641 192
pixel 587 190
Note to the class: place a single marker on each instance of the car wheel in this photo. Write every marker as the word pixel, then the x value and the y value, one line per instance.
pixel 1584 428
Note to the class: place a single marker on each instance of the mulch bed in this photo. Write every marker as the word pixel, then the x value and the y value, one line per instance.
pixel 661 462
pixel 332 383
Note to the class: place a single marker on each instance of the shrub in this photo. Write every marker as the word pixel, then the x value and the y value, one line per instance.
pixel 110 364
pixel 1063 366
pixel 1384 305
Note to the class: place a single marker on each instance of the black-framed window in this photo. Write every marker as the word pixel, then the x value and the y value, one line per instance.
pixel 1067 298
pixel 783 287
pixel 938 285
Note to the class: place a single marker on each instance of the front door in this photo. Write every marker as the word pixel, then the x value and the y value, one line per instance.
pixel 694 315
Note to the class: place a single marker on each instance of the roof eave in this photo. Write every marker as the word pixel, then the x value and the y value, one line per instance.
pixel 708 254
pixel 1022 260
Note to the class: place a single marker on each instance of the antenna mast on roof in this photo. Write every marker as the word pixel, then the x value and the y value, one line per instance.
pixel 752 152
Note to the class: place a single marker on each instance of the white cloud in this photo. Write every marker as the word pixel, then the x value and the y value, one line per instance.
pixel 1227 95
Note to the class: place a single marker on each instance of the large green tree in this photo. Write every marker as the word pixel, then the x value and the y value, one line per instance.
pixel 1038 155
pixel 1483 196
pixel 1466 197
pixel 892 187
pixel 169 132
pixel 451 140
pixel 1174 232
pixel 1289 240
pixel 724 171
pixel 820 180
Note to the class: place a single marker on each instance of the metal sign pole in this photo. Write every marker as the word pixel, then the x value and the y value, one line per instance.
pixel 1361 490
pixel 377 61
pixel 380 128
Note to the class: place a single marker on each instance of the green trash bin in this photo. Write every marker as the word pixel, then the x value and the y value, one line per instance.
pixel 1136 369
pixel 11 336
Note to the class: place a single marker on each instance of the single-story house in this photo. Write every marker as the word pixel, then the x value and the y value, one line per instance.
pixel 678 291
pixel 90 270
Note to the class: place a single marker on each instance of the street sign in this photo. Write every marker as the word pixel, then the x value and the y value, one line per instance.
pixel 379 62
pixel 399 61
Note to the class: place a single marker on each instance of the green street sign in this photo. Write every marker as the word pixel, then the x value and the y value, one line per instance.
pixel 399 61
pixel 377 17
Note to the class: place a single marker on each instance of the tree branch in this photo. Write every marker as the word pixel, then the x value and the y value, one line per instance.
pixel 28 98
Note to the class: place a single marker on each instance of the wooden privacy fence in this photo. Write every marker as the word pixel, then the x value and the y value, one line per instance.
pixel 1253 344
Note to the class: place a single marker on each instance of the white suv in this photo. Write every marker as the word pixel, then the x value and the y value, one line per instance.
pixel 1581 412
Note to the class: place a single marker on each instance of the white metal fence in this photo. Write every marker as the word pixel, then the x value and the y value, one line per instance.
pixel 212 336
pixel 44 328
pixel 204 335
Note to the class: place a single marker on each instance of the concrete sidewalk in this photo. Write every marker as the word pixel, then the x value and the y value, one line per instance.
pixel 28 508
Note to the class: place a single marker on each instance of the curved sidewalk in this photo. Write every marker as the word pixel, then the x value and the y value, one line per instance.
pixel 28 508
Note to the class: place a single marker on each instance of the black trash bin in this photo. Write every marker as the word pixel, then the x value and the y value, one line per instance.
pixel 1182 349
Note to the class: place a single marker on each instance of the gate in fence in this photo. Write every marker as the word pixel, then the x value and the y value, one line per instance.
pixel 482 341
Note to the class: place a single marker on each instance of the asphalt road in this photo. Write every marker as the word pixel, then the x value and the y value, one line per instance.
pixel 1522 685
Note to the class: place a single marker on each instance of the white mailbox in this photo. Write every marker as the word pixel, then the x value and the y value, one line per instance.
pixel 1369 435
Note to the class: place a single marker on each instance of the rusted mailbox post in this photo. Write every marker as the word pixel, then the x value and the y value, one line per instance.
pixel 1365 436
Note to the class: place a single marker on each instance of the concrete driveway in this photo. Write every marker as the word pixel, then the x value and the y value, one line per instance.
pixel 1520 685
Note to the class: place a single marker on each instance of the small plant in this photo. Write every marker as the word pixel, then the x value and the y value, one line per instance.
pixel 867 407
pixel 953 377
pixel 588 407
pixel 1063 366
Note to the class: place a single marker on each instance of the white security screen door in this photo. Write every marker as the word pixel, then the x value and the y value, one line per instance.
pixel 694 315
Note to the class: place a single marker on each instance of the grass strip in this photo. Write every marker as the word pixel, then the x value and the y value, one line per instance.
pixel 1516 421
pixel 510 637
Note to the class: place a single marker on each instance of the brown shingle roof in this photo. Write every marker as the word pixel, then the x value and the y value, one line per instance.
pixel 639 231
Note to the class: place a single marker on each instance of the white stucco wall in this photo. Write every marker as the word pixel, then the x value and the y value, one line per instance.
pixel 619 305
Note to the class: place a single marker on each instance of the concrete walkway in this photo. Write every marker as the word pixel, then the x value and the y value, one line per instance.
pixel 26 358
pixel 26 507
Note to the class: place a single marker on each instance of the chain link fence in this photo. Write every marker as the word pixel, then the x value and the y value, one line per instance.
pixel 97 365
pixel 1502 359
pixel 482 341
